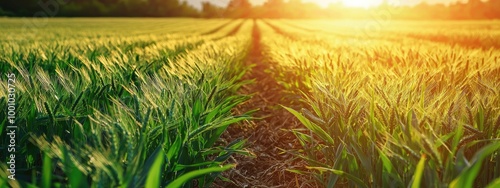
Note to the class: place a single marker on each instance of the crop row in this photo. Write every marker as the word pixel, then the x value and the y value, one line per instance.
pixel 389 111
pixel 124 111
pixel 476 34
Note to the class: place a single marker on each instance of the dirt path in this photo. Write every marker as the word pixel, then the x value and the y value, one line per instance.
pixel 266 134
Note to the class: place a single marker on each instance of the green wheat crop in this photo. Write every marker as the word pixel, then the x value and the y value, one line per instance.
pixel 122 102
pixel 401 107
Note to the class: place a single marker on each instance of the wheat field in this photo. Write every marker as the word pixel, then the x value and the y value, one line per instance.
pixel 150 102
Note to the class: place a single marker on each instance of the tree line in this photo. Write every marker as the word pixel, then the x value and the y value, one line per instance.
pixel 472 9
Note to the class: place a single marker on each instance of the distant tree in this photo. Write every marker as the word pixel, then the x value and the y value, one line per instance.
pixel 208 10
pixel 274 3
pixel 162 7
pixel 5 13
pixel 21 8
pixel 275 9
pixel 493 7
pixel 312 10
pixel 477 9
pixel 472 9
pixel 108 2
pixel 187 10
pixel 295 9
pixel 239 9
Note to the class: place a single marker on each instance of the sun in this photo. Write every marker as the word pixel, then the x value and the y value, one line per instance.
pixel 349 3
pixel 361 3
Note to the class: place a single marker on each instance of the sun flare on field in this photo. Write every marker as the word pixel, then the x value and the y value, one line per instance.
pixel 351 3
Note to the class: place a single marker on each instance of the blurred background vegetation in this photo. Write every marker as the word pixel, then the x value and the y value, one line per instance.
pixel 472 9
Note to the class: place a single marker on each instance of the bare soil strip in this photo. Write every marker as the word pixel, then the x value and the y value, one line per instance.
pixel 267 134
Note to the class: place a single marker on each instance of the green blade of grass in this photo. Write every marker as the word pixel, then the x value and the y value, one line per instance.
pixel 417 176
pixel 155 172
pixel 313 127
pixel 494 184
pixel 467 177
pixel 351 177
pixel 46 171
pixel 193 174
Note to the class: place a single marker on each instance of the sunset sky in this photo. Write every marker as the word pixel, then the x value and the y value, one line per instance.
pixel 324 3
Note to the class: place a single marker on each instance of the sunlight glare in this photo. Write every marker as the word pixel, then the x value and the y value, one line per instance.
pixel 361 3
pixel 350 3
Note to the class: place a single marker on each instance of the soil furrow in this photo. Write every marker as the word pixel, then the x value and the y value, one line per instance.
pixel 267 134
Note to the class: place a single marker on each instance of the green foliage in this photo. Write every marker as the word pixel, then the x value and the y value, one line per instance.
pixel 46 171
pixel 419 172
pixel 98 108
pixel 374 103
pixel 191 175
pixel 156 170
pixel 469 174
pixel 110 8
